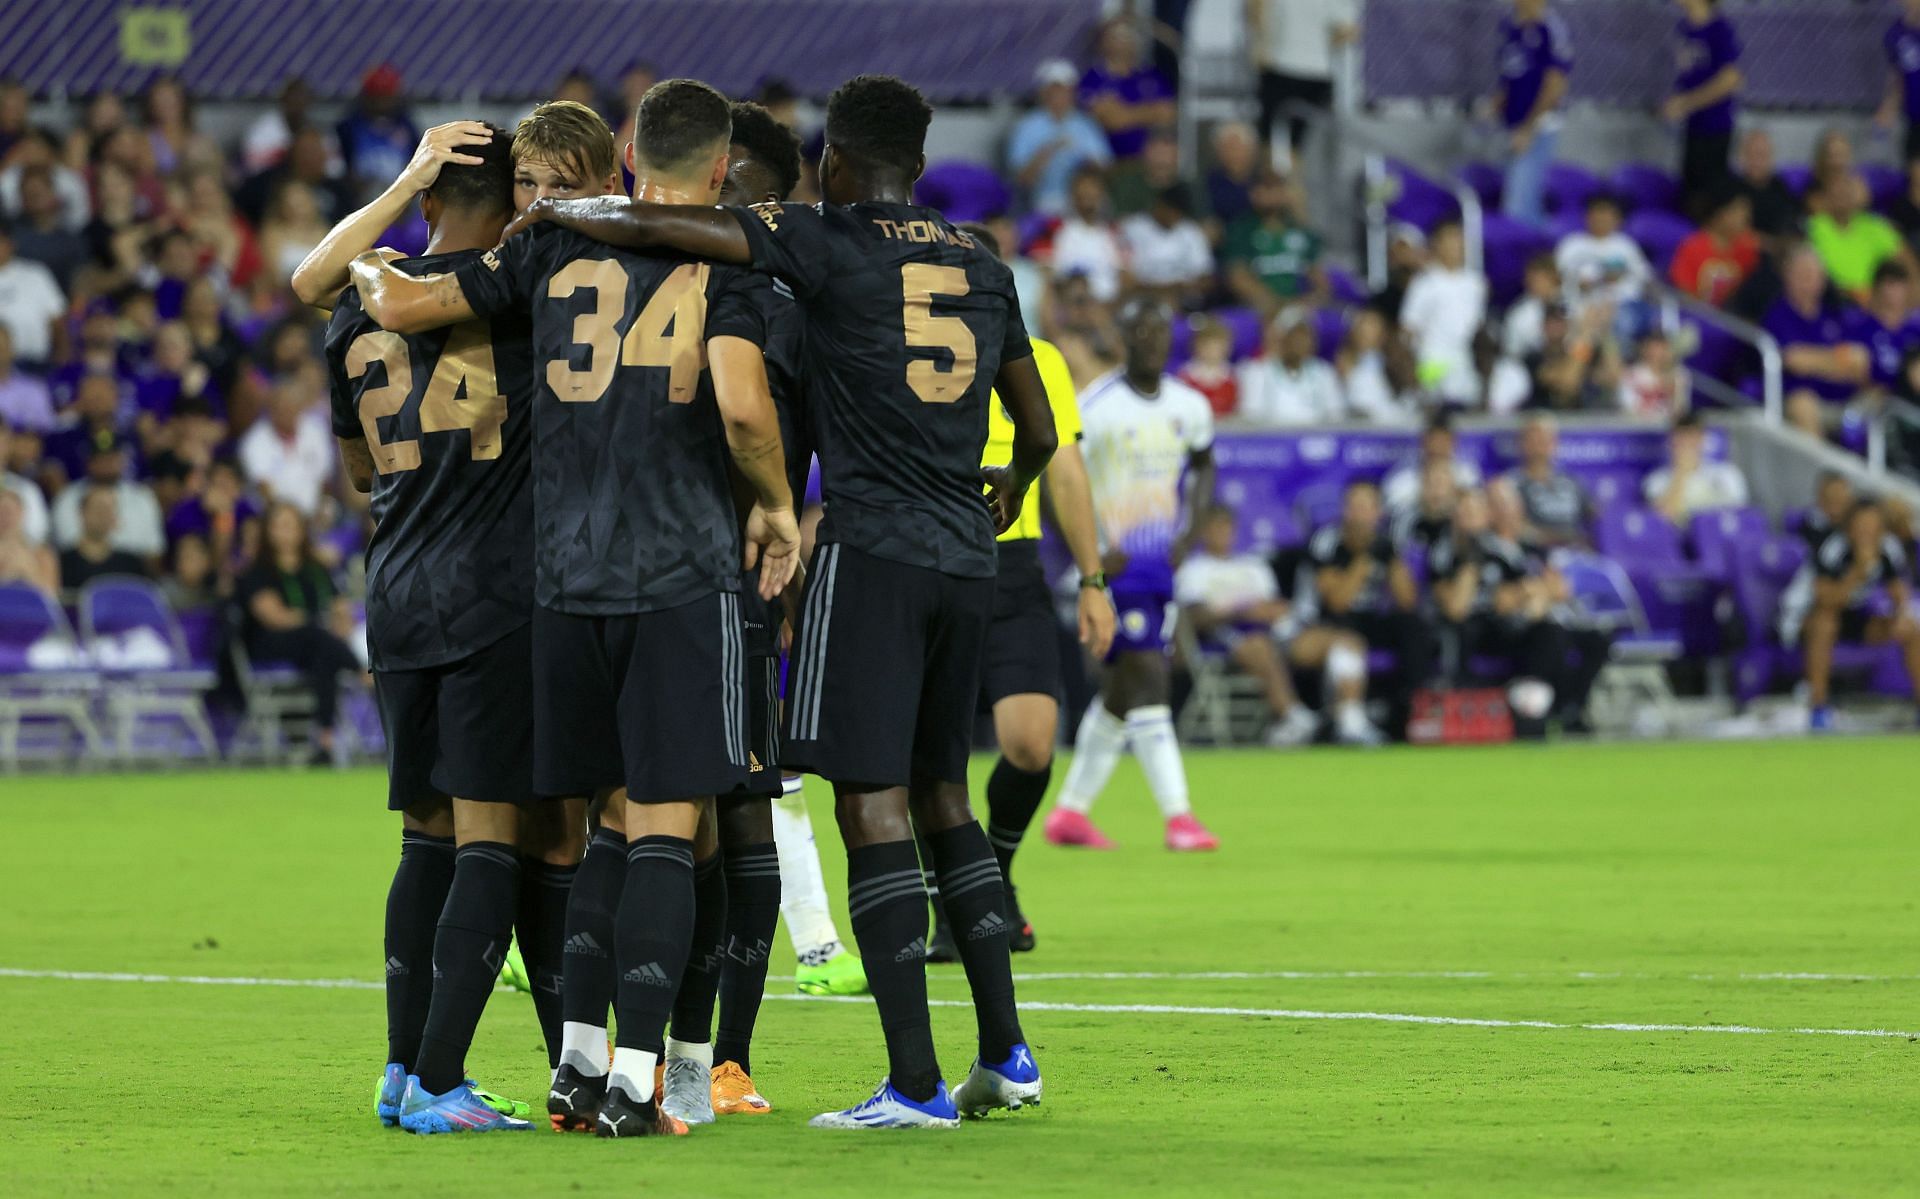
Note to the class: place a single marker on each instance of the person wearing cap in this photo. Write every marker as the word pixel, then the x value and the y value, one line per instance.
pixel 378 136
pixel 1054 140
pixel 1168 250
pixel 141 531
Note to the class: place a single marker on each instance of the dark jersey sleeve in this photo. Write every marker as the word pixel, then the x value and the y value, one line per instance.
pixel 503 279
pixel 740 306
pixel 789 241
pixel 1016 344
pixel 341 329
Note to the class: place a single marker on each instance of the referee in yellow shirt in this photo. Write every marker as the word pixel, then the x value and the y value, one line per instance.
pixel 1020 679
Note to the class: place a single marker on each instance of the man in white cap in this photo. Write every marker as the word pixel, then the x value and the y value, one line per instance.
pixel 1055 139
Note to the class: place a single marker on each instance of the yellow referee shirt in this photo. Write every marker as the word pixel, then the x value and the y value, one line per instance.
pixel 1052 366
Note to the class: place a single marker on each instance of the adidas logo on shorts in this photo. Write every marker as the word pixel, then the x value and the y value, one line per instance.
pixel 651 974
pixel 990 925
pixel 913 953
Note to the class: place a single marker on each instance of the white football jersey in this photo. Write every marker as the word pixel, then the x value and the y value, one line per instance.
pixel 1136 446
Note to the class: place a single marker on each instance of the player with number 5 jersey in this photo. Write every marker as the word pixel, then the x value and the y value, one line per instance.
pixel 911 325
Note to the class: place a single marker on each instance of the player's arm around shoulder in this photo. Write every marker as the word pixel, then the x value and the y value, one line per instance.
pixel 407 303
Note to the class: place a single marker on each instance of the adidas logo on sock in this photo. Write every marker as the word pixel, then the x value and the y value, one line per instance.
pixel 396 967
pixel 651 974
pixel 990 925
pixel 583 943
pixel 913 953
pixel 752 955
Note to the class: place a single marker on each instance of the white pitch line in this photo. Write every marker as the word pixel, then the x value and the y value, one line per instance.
pixel 1158 1009
pixel 1483 975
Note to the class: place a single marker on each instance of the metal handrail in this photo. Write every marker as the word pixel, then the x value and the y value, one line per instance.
pixel 1772 393
pixel 1472 218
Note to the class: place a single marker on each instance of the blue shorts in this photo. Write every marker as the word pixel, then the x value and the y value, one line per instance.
pixel 1143 604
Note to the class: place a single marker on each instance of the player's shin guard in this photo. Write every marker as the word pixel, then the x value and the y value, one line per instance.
pixel 414 902
pixel 1150 732
pixel 1096 751
pixel 693 1006
pixel 976 905
pixel 542 927
pixel 467 951
pixel 652 933
pixel 587 954
pixel 1013 796
pixel 803 892
pixel 753 908
pixel 887 904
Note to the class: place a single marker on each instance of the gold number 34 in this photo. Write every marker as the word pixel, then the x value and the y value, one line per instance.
pixel 681 299
pixel 464 393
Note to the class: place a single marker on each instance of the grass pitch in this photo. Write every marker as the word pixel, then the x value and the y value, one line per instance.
pixel 1587 922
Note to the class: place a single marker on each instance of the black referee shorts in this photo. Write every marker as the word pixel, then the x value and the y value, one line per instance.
pixel 652 701
pixel 886 671
pixel 464 729
pixel 1023 647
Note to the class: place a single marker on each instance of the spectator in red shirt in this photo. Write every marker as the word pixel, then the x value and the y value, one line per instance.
pixel 1210 370
pixel 1713 262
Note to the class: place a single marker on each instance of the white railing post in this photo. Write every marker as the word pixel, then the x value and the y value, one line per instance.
pixel 1374 175
pixel 1472 227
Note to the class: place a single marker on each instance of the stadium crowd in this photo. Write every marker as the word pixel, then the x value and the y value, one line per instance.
pixel 162 403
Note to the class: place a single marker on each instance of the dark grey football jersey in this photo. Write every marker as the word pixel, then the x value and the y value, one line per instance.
pixel 633 507
pixel 447 415
pixel 908 321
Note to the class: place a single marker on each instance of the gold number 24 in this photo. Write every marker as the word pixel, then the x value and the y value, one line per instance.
pixel 467 358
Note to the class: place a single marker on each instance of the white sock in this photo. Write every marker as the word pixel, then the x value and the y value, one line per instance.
pixel 1150 732
pixel 1096 751
pixel 584 1047
pixel 698 1051
pixel 1351 718
pixel 633 1073
pixel 803 892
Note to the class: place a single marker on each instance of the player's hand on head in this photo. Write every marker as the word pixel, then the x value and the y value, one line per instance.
pixel 773 543
pixel 441 145
pixel 1096 620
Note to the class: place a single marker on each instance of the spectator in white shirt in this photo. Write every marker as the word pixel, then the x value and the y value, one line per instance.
pixel 288 453
pixel 31 304
pixel 1690 484
pixel 1233 603
pixel 1445 306
pixel 141 530
pixel 1086 244
pixel 1401 490
pixel 1288 385
pixel 1167 249
pixel 1601 265
pixel 1376 372
pixel 1293 45
pixel 1524 331
pixel 33 502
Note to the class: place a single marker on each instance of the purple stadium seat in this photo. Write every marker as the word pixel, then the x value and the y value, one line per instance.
pixel 963 191
pixel 1659 234
pixel 1762 570
pixel 1268 526
pixel 1318 504
pixel 1421 202
pixel 1642 186
pixel 1885 182
pixel 1487 182
pixel 27 617
pixel 1244 324
pixel 1797 178
pixel 1569 186
pixel 1677 595
pixel 1791 520
pixel 1716 537
pixel 1508 244
pixel 1181 348
pixel 1561 225
pixel 1329 326
pixel 1345 286
pixel 1610 487
pixel 1036 227
pixel 113 606
pixel 1720 355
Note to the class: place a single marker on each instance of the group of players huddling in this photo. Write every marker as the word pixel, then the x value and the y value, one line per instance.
pixel 584 420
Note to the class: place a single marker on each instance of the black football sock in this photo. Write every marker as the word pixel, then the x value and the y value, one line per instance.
pixel 887 904
pixel 586 987
pixel 542 928
pixel 929 881
pixel 753 909
pixel 414 901
pixel 652 933
pixel 976 901
pixel 467 951
pixel 693 1006
pixel 1013 796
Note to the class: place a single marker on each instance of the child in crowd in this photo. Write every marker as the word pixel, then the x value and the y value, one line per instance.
pixel 1210 370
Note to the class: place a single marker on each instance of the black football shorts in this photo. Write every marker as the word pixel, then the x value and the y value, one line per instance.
pixel 464 729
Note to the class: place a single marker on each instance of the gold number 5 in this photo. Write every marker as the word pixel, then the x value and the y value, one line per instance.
pixel 919 283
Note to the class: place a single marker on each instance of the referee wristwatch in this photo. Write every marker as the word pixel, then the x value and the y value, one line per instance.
pixel 1097 581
